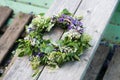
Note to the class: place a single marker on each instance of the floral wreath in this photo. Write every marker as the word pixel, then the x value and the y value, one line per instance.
pixel 46 52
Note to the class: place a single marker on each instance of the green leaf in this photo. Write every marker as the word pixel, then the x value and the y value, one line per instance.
pixel 77 57
pixel 49 49
pixel 37 72
pixel 66 12
pixel 21 54
pixel 50 27
pixel 42 14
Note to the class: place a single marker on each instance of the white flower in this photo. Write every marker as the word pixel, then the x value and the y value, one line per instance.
pixel 30 28
pixel 33 41
pixel 71 34
pixel 27 38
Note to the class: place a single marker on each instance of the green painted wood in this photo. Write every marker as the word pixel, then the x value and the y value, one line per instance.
pixel 39 3
pixel 116 15
pixel 17 7
pixel 112 32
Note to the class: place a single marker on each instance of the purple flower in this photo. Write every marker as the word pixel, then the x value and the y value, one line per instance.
pixel 70 27
pixel 63 16
pixel 78 28
pixel 80 24
pixel 40 54
pixel 81 31
pixel 35 53
pixel 70 18
pixel 67 17
pixel 30 29
pixel 60 20
pixel 74 22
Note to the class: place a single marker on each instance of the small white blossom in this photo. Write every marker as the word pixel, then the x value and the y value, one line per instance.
pixel 30 28
pixel 71 34
pixel 27 38
pixel 33 41
pixel 68 49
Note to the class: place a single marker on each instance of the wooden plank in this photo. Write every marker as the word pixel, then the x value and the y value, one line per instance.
pixel 59 5
pixel 12 33
pixel 113 71
pixel 97 63
pixel 96 16
pixel 5 12
pixel 20 67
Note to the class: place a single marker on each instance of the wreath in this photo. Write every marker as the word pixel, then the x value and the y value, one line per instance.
pixel 46 52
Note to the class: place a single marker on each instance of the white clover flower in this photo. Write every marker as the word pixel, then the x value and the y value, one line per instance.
pixel 33 41
pixel 68 49
pixel 27 38
pixel 71 34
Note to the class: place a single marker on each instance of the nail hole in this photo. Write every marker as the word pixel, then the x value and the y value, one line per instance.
pixel 46 4
pixel 116 38
pixel 29 3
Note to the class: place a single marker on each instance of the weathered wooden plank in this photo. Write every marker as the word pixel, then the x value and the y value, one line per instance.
pixel 12 33
pixel 59 5
pixel 20 66
pixel 5 12
pixel 97 63
pixel 19 69
pixel 113 71
pixel 96 16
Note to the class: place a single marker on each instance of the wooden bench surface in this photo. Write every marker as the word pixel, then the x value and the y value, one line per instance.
pixel 96 16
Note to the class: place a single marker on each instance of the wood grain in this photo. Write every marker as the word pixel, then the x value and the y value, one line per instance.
pixel 113 71
pixel 97 63
pixel 59 5
pixel 96 16
pixel 5 13
pixel 12 33
pixel 21 71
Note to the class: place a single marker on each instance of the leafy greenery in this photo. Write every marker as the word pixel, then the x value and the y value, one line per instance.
pixel 45 52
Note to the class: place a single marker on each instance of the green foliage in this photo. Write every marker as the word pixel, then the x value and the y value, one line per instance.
pixel 42 23
pixel 45 52
pixel 35 62
pixel 25 46
pixel 56 58
pixel 66 12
